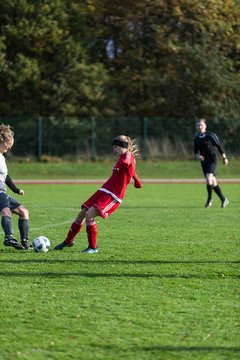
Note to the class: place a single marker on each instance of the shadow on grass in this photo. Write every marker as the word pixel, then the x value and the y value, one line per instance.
pixel 163 350
pixel 112 261
pixel 115 275
pixel 94 261
pixel 192 348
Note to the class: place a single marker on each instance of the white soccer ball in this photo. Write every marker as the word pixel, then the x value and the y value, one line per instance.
pixel 41 244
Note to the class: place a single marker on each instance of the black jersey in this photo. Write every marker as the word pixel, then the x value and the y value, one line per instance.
pixel 206 145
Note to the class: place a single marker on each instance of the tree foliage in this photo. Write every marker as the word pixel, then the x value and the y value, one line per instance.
pixel 174 58
pixel 44 64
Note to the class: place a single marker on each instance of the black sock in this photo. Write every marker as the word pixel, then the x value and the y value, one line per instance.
pixel 218 191
pixel 23 225
pixel 209 190
pixel 6 225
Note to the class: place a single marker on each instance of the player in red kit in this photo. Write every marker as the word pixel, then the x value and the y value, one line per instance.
pixel 107 199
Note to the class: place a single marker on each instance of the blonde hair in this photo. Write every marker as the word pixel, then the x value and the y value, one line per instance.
pixel 132 146
pixel 6 134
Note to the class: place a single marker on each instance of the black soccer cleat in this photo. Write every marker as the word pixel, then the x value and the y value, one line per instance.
pixel 63 245
pixel 11 241
pixel 25 243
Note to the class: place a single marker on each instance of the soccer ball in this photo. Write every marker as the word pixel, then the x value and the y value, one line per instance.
pixel 41 244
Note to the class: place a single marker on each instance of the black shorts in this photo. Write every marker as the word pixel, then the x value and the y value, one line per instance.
pixel 209 167
pixel 7 201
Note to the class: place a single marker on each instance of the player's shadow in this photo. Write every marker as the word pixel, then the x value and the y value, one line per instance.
pixel 46 259
pixel 132 273
pixel 66 274
pixel 196 349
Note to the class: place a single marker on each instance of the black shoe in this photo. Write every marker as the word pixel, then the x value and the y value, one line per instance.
pixel 208 203
pixel 63 245
pixel 11 241
pixel 25 243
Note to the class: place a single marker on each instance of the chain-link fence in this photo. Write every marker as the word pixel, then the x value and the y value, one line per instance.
pixel 73 138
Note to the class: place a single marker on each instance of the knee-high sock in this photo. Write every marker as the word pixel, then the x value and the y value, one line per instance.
pixel 209 190
pixel 6 223
pixel 74 230
pixel 91 228
pixel 218 191
pixel 23 226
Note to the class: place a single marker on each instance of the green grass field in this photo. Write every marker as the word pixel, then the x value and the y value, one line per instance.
pixel 165 284
pixel 102 169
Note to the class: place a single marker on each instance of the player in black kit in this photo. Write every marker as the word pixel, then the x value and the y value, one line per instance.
pixel 205 145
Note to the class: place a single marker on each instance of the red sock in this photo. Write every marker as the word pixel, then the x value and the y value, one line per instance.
pixel 92 231
pixel 74 230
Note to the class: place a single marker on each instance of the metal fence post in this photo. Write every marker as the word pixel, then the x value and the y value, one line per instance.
pixel 93 139
pixel 145 138
pixel 40 135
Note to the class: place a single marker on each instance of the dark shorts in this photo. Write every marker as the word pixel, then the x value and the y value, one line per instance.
pixel 7 201
pixel 209 167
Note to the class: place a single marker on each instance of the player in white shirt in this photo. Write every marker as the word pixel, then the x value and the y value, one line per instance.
pixel 9 205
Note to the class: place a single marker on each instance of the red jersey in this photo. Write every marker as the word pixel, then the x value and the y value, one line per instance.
pixel 123 171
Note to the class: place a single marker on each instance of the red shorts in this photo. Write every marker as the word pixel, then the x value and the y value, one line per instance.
pixel 104 203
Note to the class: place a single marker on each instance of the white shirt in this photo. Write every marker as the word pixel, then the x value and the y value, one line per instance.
pixel 3 173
